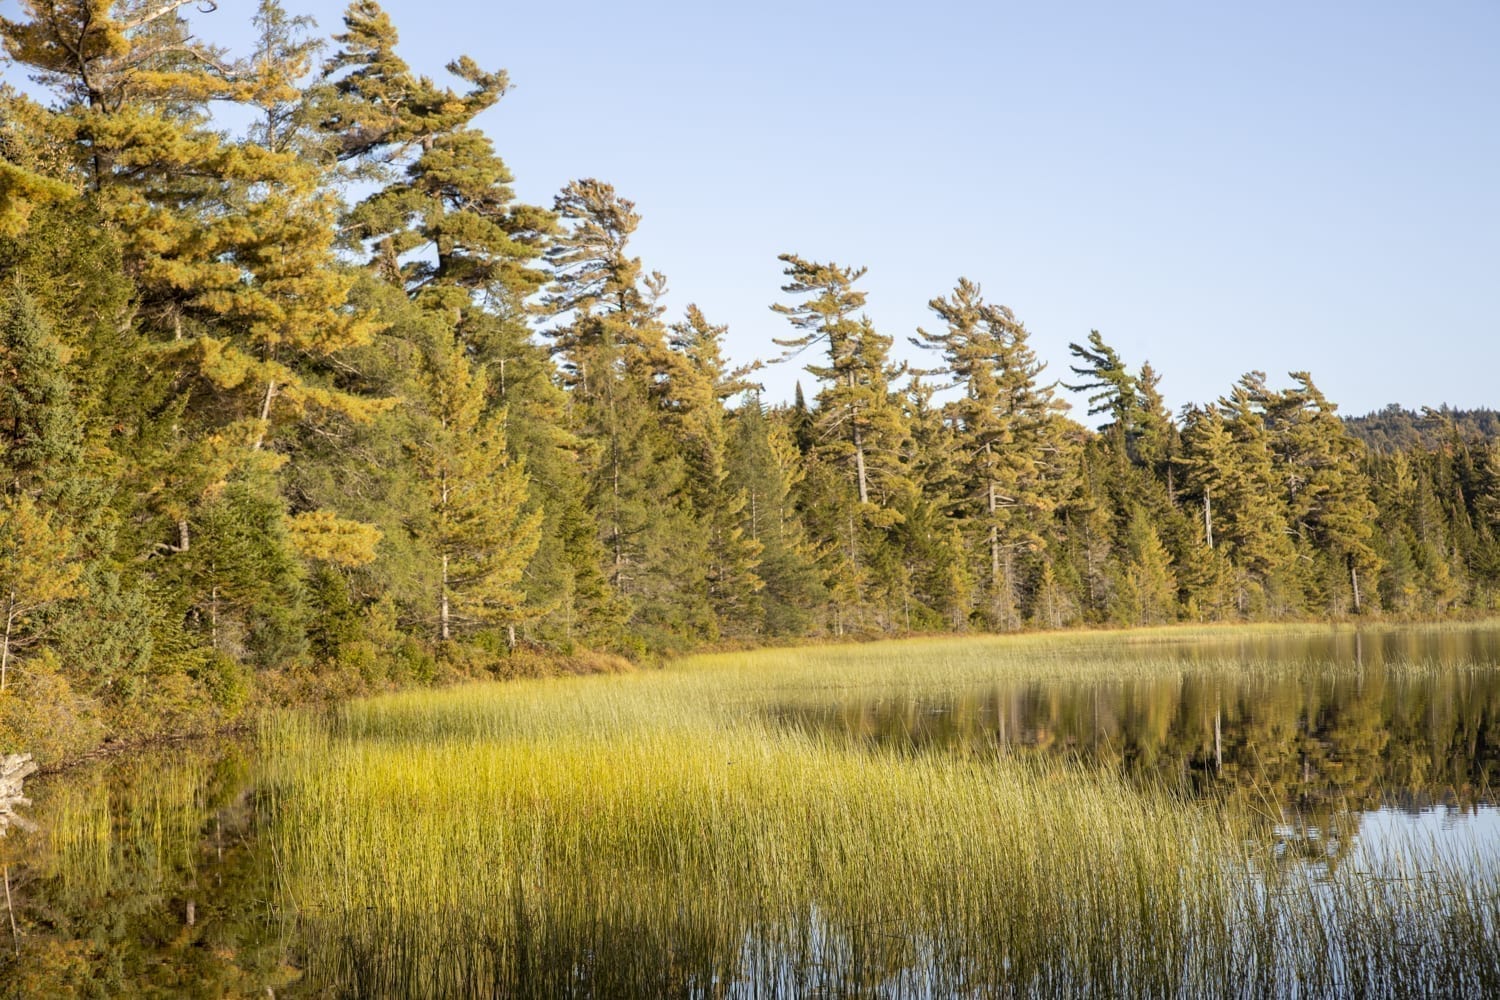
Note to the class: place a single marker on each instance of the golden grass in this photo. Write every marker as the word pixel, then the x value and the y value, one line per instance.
pixel 657 834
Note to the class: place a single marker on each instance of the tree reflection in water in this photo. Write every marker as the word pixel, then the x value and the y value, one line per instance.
pixel 1414 725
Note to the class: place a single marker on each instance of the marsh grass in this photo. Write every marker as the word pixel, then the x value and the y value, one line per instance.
pixel 658 835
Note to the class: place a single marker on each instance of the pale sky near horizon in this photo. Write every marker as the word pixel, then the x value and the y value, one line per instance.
pixel 1216 188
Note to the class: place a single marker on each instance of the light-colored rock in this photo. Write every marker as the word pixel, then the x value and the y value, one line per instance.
pixel 14 770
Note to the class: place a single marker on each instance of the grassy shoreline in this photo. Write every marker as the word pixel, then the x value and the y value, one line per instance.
pixel 95 732
pixel 612 817
pixel 661 833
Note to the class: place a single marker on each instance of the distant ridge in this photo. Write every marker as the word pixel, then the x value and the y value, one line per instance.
pixel 1396 428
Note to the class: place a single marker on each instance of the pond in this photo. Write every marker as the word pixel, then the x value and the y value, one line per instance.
pixel 1255 813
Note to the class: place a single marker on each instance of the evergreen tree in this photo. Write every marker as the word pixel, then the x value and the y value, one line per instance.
pixel 33 171
pixel 1103 373
pixel 40 450
pixel 616 364
pixel 1253 519
pixel 697 385
pixel 444 224
pixel 1006 438
pixel 41 433
pixel 38 568
pixel 765 467
pixel 477 526
pixel 935 582
pixel 1325 489
pixel 857 415
pixel 859 431
pixel 240 588
pixel 1146 587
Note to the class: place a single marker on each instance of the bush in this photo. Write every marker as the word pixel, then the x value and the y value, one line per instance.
pixel 42 715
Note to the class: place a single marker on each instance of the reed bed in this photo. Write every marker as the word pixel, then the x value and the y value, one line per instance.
pixel 659 835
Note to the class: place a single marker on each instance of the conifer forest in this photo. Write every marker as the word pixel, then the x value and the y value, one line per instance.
pixel 314 406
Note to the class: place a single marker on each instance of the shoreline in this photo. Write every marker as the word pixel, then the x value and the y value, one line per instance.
pixel 539 665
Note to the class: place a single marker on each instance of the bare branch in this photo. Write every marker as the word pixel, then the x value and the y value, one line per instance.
pixel 151 14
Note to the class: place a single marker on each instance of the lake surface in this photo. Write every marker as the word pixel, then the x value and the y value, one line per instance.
pixel 1403 720
pixel 158 875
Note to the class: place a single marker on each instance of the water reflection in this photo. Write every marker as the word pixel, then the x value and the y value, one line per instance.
pixel 1426 647
pixel 156 876
pixel 143 877
pixel 1312 741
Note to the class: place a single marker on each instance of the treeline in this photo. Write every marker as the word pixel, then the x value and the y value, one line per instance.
pixel 1396 429
pixel 318 403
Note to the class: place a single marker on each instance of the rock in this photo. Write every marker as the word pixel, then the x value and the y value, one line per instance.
pixel 14 770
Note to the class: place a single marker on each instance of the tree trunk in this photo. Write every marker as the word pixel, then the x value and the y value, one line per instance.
pixel 1208 519
pixel 10 622
pixel 265 414
pixel 443 592
pixel 443 603
pixel 1007 592
pixel 994 543
pixel 616 526
pixel 15 933
pixel 859 461
pixel 1354 583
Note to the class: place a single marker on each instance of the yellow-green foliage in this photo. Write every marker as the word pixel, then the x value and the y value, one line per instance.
pixel 657 833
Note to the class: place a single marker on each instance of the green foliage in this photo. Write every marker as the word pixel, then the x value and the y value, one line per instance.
pixel 474 519
pixel 1008 449
pixel 258 441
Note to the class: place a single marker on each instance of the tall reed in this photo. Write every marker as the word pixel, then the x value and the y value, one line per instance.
pixel 661 835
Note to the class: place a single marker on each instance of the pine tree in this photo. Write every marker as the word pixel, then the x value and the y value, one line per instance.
pixel 1115 391
pixel 477 526
pixel 616 362
pixel 569 599
pixel 444 224
pixel 1208 461
pixel 198 214
pixel 227 242
pixel 1005 436
pixel 1253 520
pixel 935 585
pixel 1155 436
pixel 1325 489
pixel 855 403
pixel 33 168
pixel 860 439
pixel 697 385
pixel 764 466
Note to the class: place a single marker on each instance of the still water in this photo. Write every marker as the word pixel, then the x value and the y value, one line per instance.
pixel 1356 743
pixel 152 875
pixel 1398 720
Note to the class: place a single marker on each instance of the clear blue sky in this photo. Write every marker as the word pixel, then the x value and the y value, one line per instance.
pixel 1215 187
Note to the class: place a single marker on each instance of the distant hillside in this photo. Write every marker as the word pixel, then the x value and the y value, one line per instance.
pixel 1397 429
